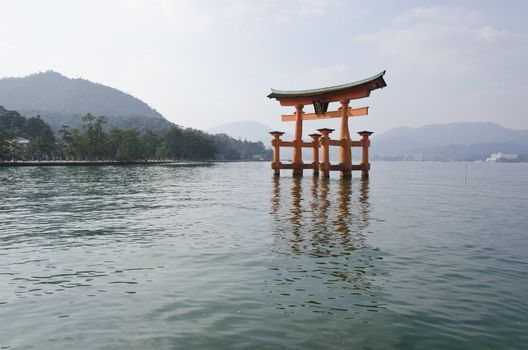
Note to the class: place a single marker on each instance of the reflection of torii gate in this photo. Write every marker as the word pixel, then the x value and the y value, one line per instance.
pixel 320 99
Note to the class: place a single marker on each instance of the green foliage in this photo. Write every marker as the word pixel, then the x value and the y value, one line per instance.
pixel 5 152
pixel 150 143
pixel 126 145
pixel 94 137
pixel 198 145
pixel 14 127
pixel 93 142
pixel 70 142
pixel 12 124
pixel 34 126
pixel 43 145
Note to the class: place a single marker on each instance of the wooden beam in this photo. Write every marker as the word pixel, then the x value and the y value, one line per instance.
pixel 339 167
pixel 328 97
pixel 287 143
pixel 352 112
pixel 335 142
pixel 330 142
pixel 286 166
pixel 356 143
pixel 291 166
pixel 357 167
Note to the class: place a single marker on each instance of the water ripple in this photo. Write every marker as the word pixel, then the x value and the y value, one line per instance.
pixel 202 257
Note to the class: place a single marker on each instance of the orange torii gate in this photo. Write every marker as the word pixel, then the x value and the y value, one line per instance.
pixel 320 99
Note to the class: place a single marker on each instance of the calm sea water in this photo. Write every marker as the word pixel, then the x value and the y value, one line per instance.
pixel 225 256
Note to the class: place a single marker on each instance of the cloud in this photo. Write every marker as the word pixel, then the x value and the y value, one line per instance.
pixel 327 74
pixel 316 7
pixel 436 14
pixel 14 61
pixel 437 38
pixel 199 17
pixel 7 47
pixel 183 17
pixel 490 34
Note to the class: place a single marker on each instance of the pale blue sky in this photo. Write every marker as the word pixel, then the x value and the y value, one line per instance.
pixel 202 63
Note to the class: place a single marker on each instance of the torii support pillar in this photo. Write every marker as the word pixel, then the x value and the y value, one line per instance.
pixel 365 143
pixel 345 154
pixel 297 148
pixel 275 142
pixel 315 163
pixel 325 143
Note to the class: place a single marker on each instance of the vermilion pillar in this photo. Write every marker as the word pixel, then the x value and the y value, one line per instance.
pixel 345 155
pixel 325 165
pixel 297 149
pixel 275 142
pixel 315 163
pixel 365 143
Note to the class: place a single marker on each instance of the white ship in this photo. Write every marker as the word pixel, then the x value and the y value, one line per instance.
pixel 501 157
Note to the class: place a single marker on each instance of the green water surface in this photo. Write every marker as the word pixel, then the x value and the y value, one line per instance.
pixel 422 256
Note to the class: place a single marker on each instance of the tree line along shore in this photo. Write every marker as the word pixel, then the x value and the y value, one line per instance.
pixel 30 140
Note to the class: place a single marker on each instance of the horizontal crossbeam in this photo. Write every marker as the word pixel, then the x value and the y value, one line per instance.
pixel 352 112
pixel 333 167
pixel 291 166
pixel 330 142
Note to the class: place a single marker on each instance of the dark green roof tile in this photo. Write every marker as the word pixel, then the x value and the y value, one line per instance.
pixel 325 90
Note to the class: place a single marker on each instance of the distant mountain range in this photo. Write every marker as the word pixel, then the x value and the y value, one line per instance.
pixel 453 141
pixel 61 100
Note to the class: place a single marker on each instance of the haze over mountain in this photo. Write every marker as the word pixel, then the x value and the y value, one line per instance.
pixel 61 100
pixel 456 141
pixel 246 130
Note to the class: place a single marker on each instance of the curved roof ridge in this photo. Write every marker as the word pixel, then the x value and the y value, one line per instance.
pixel 310 92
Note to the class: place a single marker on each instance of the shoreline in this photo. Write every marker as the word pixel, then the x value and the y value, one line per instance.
pixel 98 163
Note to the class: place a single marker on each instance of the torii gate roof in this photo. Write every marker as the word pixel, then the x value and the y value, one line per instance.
pixel 358 89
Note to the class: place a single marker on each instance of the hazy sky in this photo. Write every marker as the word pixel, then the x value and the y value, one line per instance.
pixel 203 63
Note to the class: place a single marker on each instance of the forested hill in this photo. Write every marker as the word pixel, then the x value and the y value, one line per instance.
pixel 32 139
pixel 60 100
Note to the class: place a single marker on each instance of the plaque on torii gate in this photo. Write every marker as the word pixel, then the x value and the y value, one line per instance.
pixel 321 99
